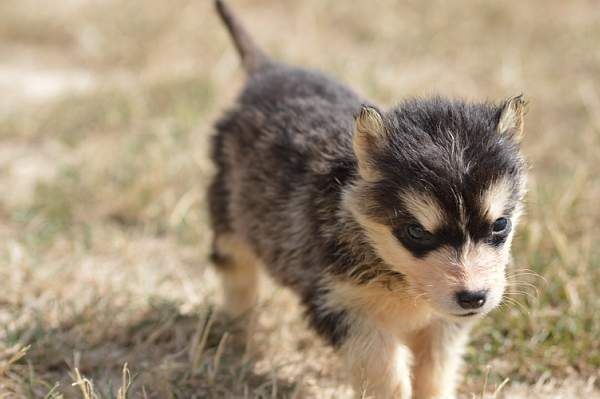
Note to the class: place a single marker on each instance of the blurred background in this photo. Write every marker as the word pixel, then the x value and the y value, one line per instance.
pixel 106 109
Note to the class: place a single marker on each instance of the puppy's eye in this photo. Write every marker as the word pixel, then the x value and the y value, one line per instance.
pixel 414 237
pixel 415 232
pixel 500 225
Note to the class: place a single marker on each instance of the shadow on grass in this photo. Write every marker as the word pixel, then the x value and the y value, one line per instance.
pixel 169 354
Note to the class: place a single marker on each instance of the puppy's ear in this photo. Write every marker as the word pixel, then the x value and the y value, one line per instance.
pixel 511 117
pixel 368 131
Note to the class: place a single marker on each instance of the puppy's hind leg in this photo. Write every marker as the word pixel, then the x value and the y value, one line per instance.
pixel 238 266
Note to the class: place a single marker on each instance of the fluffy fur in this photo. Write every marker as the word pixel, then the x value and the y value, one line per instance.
pixel 377 220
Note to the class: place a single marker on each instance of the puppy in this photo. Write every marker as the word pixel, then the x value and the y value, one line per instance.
pixel 393 227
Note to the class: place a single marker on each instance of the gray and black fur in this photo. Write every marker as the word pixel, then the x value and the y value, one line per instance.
pixel 285 160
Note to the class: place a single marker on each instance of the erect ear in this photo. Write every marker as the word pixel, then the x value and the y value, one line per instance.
pixel 511 117
pixel 368 131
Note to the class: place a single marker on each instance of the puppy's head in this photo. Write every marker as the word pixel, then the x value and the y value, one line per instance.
pixel 439 196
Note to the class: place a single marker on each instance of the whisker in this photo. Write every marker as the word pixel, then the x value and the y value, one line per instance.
pixel 524 293
pixel 518 304
pixel 527 272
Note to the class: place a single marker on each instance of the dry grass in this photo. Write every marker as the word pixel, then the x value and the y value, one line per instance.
pixel 104 123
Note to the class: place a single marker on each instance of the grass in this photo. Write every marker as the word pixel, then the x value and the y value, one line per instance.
pixel 103 231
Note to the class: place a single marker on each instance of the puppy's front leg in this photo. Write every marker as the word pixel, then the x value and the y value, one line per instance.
pixel 438 351
pixel 378 363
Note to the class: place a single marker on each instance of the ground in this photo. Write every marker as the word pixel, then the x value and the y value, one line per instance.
pixel 105 115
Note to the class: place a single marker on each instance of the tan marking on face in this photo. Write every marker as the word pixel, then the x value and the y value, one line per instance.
pixel 438 276
pixel 480 267
pixel 495 199
pixel 424 208
pixel 485 266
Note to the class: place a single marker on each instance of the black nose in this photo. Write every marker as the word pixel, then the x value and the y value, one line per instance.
pixel 471 299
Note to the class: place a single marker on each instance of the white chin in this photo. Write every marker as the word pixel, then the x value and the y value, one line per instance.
pixel 462 315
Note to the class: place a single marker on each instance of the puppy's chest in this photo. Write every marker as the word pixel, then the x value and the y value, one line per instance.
pixel 403 317
pixel 391 309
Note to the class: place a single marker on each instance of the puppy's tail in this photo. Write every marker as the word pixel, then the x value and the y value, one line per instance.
pixel 253 58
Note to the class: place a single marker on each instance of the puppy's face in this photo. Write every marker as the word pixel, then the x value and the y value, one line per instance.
pixel 439 197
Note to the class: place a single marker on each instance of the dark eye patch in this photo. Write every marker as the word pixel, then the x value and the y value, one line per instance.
pixel 453 233
pixel 430 241
pixel 416 239
pixel 493 232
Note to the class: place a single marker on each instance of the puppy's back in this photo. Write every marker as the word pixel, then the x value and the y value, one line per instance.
pixel 283 154
pixel 289 128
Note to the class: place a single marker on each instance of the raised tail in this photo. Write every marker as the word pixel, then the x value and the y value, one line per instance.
pixel 253 58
